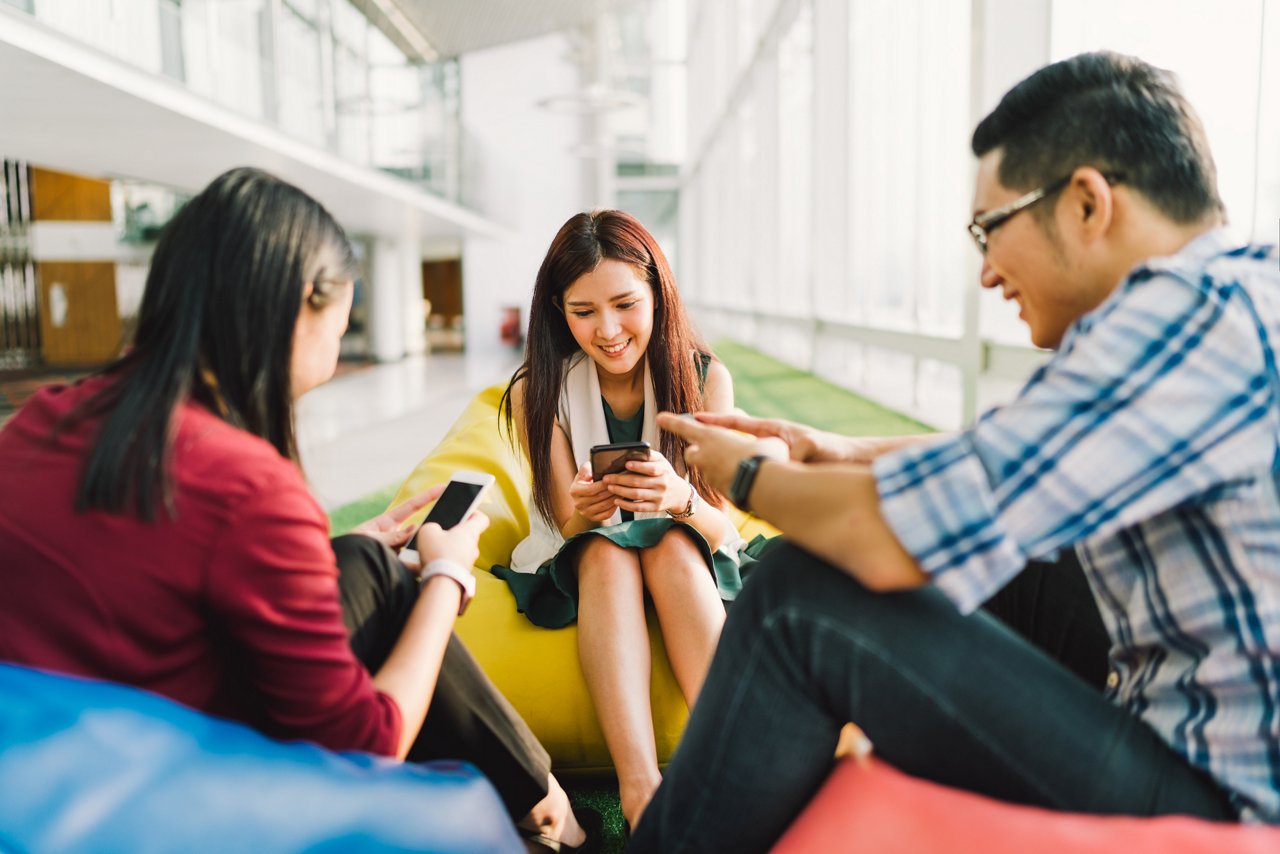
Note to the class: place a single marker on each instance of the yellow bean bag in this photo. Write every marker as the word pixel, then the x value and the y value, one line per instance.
pixel 536 669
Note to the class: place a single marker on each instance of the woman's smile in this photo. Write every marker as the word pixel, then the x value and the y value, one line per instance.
pixel 613 351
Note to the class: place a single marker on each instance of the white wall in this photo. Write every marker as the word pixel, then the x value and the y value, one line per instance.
pixel 532 182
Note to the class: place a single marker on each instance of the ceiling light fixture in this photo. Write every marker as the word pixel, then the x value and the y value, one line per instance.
pixel 591 100
pixel 592 151
pixel 407 30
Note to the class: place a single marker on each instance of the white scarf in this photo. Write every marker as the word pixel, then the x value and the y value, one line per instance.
pixel 581 416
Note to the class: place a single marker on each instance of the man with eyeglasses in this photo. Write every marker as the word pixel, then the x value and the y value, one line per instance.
pixel 1139 674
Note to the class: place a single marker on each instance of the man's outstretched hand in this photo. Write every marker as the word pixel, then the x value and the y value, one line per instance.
pixel 804 444
pixel 716 449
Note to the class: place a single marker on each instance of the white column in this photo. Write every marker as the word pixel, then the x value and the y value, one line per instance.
pixel 760 194
pixel 1010 40
pixel 328 89
pixel 830 157
pixel 414 318
pixel 605 162
pixel 396 324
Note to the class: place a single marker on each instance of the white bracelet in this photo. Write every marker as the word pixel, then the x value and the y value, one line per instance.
pixel 456 573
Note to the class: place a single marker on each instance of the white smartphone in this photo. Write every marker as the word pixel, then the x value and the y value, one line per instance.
pixel 460 497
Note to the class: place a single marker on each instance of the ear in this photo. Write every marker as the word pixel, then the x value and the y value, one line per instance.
pixel 1090 203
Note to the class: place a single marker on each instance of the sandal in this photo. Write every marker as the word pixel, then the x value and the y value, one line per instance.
pixel 592 825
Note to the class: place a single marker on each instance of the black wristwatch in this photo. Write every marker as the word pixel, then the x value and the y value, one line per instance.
pixel 743 479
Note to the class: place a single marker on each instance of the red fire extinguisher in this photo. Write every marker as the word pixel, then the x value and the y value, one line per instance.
pixel 512 330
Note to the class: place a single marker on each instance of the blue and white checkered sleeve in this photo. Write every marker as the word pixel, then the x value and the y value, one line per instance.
pixel 937 499
pixel 1157 397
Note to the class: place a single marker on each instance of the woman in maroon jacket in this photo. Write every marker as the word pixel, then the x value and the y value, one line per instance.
pixel 155 528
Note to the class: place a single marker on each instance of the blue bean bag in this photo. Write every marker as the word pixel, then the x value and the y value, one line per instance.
pixel 95 766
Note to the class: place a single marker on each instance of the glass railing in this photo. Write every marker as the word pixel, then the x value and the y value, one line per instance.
pixel 319 72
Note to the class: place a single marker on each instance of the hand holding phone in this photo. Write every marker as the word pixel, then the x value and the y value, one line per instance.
pixel 460 498
pixel 613 458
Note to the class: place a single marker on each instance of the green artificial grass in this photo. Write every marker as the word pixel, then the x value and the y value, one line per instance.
pixel 601 795
pixel 348 516
pixel 767 388
pixel 763 387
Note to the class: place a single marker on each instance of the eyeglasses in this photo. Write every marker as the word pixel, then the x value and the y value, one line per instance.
pixel 985 223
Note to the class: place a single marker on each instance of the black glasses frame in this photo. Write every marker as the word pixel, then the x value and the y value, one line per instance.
pixel 988 221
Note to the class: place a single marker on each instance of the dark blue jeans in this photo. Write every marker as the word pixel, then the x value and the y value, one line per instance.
pixel 964 701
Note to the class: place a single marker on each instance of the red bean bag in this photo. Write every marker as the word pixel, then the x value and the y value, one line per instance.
pixel 871 807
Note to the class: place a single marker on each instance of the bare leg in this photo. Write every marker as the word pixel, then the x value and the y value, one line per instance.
pixel 688 605
pixel 553 816
pixel 613 646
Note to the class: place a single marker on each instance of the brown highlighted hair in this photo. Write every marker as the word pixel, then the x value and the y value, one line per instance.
pixel 578 248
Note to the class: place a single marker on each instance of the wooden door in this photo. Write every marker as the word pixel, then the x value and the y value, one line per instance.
pixel 442 285
pixel 79 318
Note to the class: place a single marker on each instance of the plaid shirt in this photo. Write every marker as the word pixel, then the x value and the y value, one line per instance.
pixel 1149 441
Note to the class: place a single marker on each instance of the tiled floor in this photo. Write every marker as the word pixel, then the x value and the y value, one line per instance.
pixel 366 428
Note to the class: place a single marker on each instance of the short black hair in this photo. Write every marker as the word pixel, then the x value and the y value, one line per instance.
pixel 1115 113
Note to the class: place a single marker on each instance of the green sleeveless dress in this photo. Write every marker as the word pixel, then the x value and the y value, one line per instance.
pixel 549 597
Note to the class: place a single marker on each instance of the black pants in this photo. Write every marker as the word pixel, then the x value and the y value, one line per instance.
pixel 1050 604
pixel 468 718
pixel 966 701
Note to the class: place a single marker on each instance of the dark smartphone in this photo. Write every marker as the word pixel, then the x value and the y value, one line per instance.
pixel 613 459
pixel 460 497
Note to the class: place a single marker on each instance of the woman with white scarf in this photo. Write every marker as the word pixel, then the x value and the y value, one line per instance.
pixel 610 346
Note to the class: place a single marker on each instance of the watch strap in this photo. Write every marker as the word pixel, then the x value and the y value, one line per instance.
pixel 743 479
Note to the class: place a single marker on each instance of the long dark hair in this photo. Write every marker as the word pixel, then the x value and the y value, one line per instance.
pixel 578 248
pixel 216 326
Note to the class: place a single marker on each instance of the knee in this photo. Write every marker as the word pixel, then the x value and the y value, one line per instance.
pixel 674 542
pixel 675 546
pixel 599 555
pixel 674 553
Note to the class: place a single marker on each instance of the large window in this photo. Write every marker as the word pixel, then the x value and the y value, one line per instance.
pixel 790 99
pixel 1267 183
pixel 317 69
pixel 352 107
pixel 129 31
pixel 791 292
pixel 1220 53
pixel 298 71
pixel 909 186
